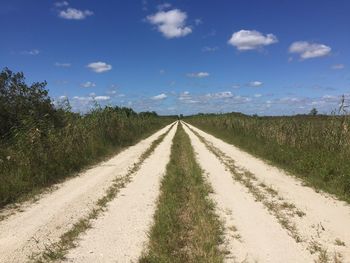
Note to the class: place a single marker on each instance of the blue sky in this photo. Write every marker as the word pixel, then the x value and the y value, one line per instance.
pixel 268 57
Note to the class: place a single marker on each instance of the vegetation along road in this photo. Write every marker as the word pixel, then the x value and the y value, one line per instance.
pixel 180 195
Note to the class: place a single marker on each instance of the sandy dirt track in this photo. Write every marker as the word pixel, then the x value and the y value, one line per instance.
pixel 43 222
pixel 323 224
pixel 120 235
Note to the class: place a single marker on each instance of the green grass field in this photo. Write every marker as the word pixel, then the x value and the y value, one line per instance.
pixel 315 148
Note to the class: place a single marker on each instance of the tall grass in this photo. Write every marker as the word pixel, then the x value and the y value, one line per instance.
pixel 39 154
pixel 316 148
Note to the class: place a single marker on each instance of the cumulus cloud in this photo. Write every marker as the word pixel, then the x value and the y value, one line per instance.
pixel 255 84
pixel 338 66
pixel 62 65
pixel 171 24
pixel 74 14
pixel 159 97
pixel 88 84
pixel 99 67
pixel 308 50
pixel 251 39
pixel 198 75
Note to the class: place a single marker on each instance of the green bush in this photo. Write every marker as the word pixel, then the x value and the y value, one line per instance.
pixel 40 145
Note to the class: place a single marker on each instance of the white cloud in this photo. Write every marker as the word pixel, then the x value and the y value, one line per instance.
pixel 61 4
pixel 255 84
pixel 338 66
pixel 62 65
pixel 74 14
pixel 102 98
pixel 32 52
pixel 251 39
pixel 99 67
pixel 308 50
pixel 198 75
pixel 257 95
pixel 84 99
pixel 171 23
pixel 88 84
pixel 210 49
pixel 159 97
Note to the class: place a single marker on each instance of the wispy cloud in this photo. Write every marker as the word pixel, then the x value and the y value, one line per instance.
pixel 159 97
pixel 255 84
pixel 32 52
pixel 308 50
pixel 61 4
pixel 63 65
pixel 338 66
pixel 88 84
pixel 172 23
pixel 210 49
pixel 251 39
pixel 74 14
pixel 163 6
pixel 102 98
pixel 99 67
pixel 198 75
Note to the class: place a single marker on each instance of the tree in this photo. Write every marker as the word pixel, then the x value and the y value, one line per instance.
pixel 20 102
pixel 313 112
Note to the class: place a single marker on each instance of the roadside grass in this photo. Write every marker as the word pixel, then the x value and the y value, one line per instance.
pixel 186 228
pixel 314 148
pixel 38 156
pixel 282 210
pixel 57 251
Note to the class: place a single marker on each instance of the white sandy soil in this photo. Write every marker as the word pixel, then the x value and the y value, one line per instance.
pixel 120 235
pixel 42 223
pixel 326 219
pixel 261 238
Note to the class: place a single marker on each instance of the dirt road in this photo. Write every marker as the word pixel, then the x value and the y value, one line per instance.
pixel 42 223
pixel 269 215
pixel 121 233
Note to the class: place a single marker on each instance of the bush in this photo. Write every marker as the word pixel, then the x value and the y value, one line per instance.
pixel 40 145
